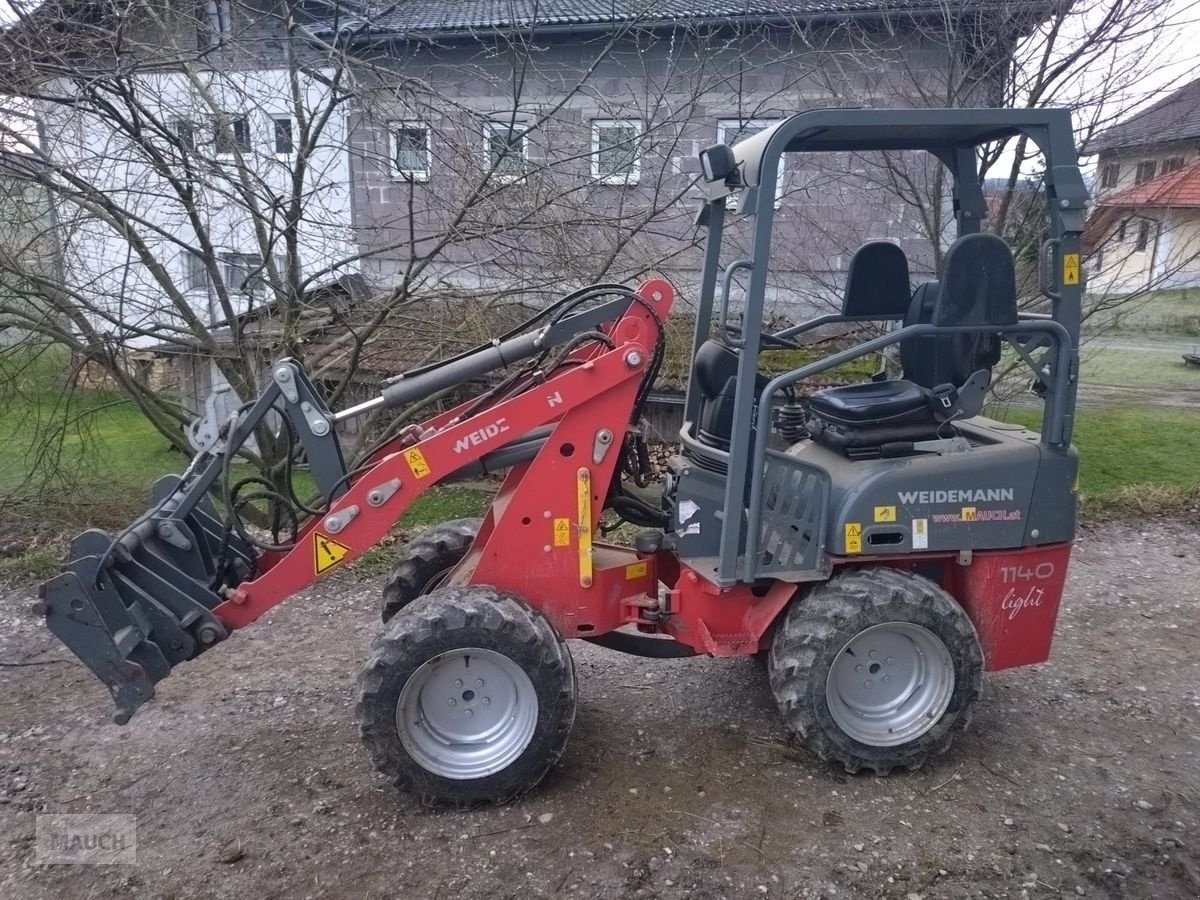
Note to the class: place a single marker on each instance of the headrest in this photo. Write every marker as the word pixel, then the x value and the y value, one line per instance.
pixel 715 364
pixel 877 282
pixel 979 283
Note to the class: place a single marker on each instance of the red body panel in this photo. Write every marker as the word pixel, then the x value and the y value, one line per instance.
pixel 601 383
pixel 1012 596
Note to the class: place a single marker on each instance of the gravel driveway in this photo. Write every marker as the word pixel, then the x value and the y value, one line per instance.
pixel 1077 778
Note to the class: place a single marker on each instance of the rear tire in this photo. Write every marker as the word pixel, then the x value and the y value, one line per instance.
pixel 835 648
pixel 427 560
pixel 455 736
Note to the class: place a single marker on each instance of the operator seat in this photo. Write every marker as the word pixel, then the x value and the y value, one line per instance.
pixel 945 375
pixel 715 371
pixel 877 288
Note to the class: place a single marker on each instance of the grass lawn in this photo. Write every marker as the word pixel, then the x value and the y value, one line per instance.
pixel 1175 312
pixel 1131 456
pixel 106 457
pixel 1146 366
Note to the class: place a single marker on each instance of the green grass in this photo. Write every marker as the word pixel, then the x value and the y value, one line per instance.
pixel 1175 312
pixel 72 457
pixel 104 460
pixel 1143 367
pixel 1126 452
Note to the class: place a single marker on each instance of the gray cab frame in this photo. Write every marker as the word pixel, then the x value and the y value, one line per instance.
pixel 950 135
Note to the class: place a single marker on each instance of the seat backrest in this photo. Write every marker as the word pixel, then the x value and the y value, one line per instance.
pixel 978 287
pixel 715 374
pixel 877 282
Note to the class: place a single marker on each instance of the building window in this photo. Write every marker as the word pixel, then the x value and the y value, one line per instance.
pixel 285 144
pixel 243 272
pixel 214 22
pixel 185 134
pixel 231 134
pixel 1121 230
pixel 1145 171
pixel 732 131
pixel 1110 175
pixel 506 147
pixel 1143 237
pixel 197 273
pixel 1172 164
pixel 412 150
pixel 615 156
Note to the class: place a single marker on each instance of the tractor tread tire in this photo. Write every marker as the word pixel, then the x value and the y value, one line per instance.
pixel 818 625
pixel 450 618
pixel 430 554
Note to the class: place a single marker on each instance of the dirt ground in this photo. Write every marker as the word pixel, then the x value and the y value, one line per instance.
pixel 1077 778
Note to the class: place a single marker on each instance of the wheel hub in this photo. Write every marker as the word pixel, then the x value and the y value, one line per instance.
pixel 890 684
pixel 467 713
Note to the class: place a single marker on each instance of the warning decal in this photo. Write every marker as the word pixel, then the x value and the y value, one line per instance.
pixel 636 570
pixel 1070 268
pixel 853 537
pixel 416 461
pixel 562 532
pixel 920 534
pixel 327 552
pixel 885 514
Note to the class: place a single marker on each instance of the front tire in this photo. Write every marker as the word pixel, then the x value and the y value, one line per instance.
pixel 428 559
pixel 467 698
pixel 877 668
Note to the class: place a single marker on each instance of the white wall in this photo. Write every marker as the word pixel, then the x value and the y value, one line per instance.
pixel 98 260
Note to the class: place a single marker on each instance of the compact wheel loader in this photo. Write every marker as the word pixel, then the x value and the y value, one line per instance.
pixel 882 544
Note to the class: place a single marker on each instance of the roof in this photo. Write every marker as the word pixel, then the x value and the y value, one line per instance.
pixel 1175 190
pixel 1174 118
pixel 444 17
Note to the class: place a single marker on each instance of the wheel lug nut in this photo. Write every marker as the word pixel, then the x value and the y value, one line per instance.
pixel 470 713
pixel 887 678
pixel 890 660
pixel 487 701
pixel 871 654
pixel 867 683
pixel 858 668
pixel 458 682
pixel 478 682
pixel 451 701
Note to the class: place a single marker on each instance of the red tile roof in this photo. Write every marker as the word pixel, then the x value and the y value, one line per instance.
pixel 1178 189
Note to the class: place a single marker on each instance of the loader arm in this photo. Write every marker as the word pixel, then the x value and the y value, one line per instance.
pixel 185 575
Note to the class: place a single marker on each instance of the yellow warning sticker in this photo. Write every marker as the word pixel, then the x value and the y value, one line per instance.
pixel 327 552
pixel 853 537
pixel 562 532
pixel 885 514
pixel 416 461
pixel 1070 268
pixel 636 570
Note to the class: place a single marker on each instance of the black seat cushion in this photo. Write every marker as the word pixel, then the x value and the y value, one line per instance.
pixel 874 402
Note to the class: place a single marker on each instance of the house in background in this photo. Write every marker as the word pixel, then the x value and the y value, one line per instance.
pixel 589 122
pixel 1144 229
pixel 483 149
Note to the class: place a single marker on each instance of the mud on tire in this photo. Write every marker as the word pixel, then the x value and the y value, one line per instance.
pixel 820 625
pixel 427 559
pixel 460 620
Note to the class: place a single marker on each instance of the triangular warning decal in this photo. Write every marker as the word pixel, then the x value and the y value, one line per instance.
pixel 327 552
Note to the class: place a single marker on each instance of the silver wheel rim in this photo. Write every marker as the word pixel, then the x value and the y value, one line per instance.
pixel 467 713
pixel 890 684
